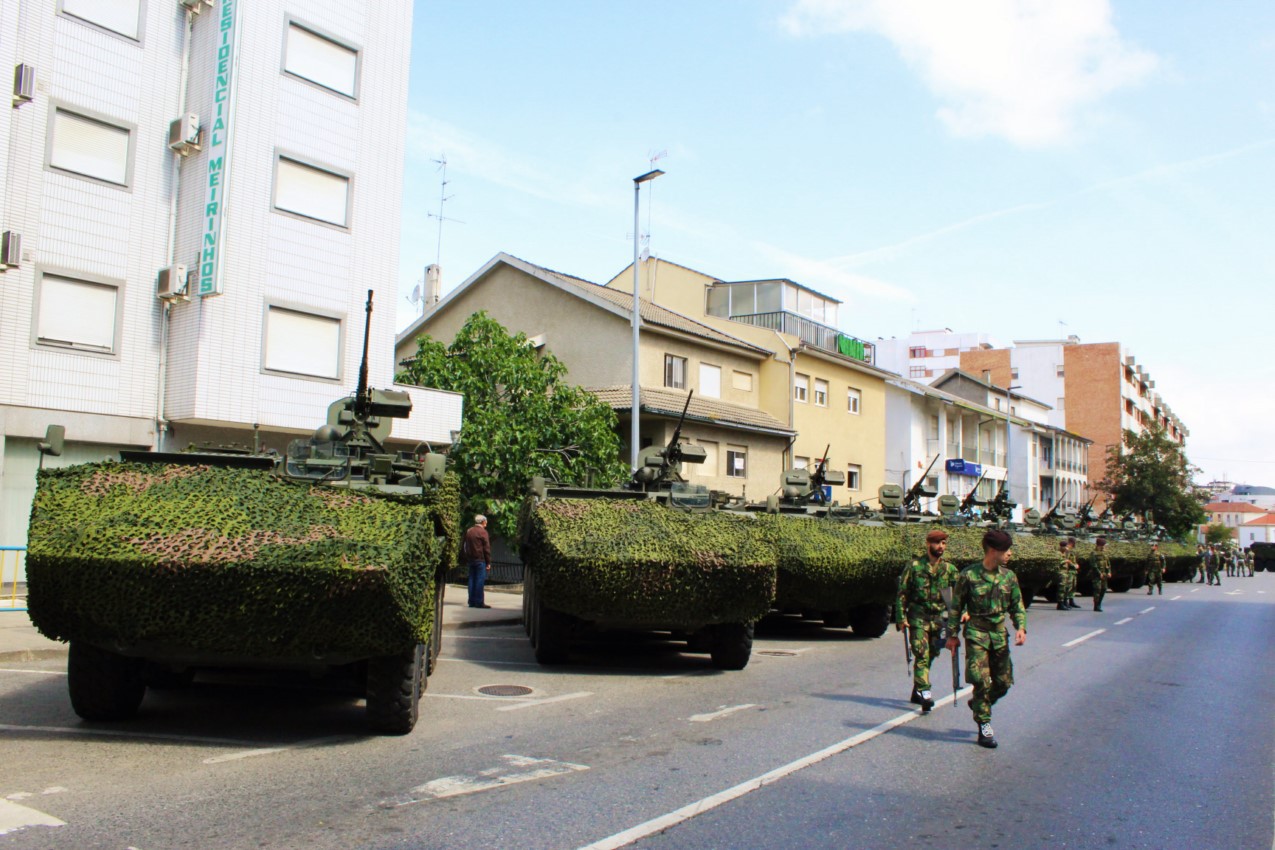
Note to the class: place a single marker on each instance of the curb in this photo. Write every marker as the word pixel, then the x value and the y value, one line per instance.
pixel 33 654
pixel 473 624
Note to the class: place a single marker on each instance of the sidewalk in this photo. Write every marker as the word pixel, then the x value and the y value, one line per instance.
pixel 19 640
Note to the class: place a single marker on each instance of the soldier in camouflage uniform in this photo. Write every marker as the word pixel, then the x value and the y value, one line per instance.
pixel 920 609
pixel 985 593
pixel 1211 565
pixel 1099 571
pixel 1155 569
pixel 1067 575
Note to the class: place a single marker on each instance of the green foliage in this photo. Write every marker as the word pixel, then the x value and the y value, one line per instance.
pixel 211 560
pixel 1216 533
pixel 521 419
pixel 1151 478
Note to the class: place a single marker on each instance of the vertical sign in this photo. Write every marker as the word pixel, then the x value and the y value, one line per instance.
pixel 211 245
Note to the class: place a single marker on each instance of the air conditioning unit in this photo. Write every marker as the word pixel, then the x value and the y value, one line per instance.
pixel 23 84
pixel 184 134
pixel 172 283
pixel 10 250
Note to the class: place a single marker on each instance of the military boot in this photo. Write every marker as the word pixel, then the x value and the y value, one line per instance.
pixel 986 738
pixel 1072 603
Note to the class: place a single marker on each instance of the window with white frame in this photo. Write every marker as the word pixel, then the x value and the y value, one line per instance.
pixel 119 16
pixel 89 147
pixel 77 314
pixel 311 192
pixel 854 474
pixel 742 381
pixel 917 371
pixel 801 387
pixel 302 343
pixel 674 372
pixel 800 462
pixel 1061 401
pixel 737 462
pixel 821 392
pixel 852 401
pixel 709 467
pixel 1013 372
pixel 710 380
pixel 321 60
pixel 1059 371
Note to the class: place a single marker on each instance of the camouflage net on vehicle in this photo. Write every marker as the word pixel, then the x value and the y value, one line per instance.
pixel 652 565
pixel 209 560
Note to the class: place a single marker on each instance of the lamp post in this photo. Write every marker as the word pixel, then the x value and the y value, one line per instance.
pixel 637 392
pixel 1008 426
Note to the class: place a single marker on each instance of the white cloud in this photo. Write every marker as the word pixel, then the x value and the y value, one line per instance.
pixel 1020 69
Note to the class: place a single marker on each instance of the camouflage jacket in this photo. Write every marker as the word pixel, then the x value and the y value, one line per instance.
pixel 920 590
pixel 1069 563
pixel 987 597
pixel 1099 565
pixel 1155 562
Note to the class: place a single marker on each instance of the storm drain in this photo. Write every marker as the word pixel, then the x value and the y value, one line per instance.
pixel 776 653
pixel 505 690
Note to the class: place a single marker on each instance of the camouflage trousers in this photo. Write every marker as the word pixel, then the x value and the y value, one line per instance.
pixel 1155 579
pixel 926 639
pixel 1066 587
pixel 1099 591
pixel 988 669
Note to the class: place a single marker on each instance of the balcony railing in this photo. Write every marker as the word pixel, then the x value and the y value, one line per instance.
pixel 812 333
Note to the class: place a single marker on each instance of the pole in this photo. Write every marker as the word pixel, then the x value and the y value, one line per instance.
pixel 637 392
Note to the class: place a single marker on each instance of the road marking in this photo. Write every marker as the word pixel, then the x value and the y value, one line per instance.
pixel 515 769
pixel 487 661
pixel 14 817
pixel 1175 598
pixel 532 703
pixel 33 672
pixel 1120 622
pixel 482 637
pixel 124 733
pixel 1234 592
pixel 470 696
pixel 1084 638
pixel 721 712
pixel 642 830
pixel 1196 589
pixel 27 795
pixel 690 674
pixel 266 751
pixel 1146 610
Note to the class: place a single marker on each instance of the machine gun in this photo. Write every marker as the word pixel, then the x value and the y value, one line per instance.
pixel 912 498
pixel 1051 516
pixel 971 499
pixel 663 466
pixel 1085 517
pixel 1001 507
pixel 819 478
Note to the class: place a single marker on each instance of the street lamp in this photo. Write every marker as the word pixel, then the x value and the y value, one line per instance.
pixel 637 393
pixel 1008 426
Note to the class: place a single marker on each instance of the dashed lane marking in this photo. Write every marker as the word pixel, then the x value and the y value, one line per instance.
pixel 1120 622
pixel 33 672
pixel 515 769
pixel 1175 598
pixel 1196 589
pixel 267 751
pixel 15 817
pixel 1084 638
pixel 723 711
pixel 125 733
pixel 1146 610
pixel 532 703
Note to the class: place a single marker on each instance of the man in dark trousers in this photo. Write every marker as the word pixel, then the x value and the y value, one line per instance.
pixel 476 549
pixel 1099 571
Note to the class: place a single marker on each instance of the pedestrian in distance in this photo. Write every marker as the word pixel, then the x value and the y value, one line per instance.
pixel 1067 572
pixel 1099 571
pixel 1155 569
pixel 476 550
pixel 1248 561
pixel 1213 565
pixel 1197 569
pixel 986 593
pixel 920 610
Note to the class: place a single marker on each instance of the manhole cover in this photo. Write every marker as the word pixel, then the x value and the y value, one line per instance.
pixel 777 653
pixel 505 690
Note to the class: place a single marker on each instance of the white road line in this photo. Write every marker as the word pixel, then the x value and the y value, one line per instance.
pixel 469 696
pixel 15 817
pixel 1120 622
pixel 1175 598
pixel 266 751
pixel 690 674
pixel 1234 592
pixel 1084 638
pixel 721 712
pixel 1146 610
pixel 124 733
pixel 532 703
pixel 33 672
pixel 482 637
pixel 642 830
pixel 515 769
pixel 1196 589
pixel 527 664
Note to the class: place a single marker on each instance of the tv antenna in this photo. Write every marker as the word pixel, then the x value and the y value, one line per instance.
pixel 443 198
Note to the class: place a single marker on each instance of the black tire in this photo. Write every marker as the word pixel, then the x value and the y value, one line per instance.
pixel 732 645
pixel 436 635
pixel 552 634
pixel 104 685
pixel 163 678
pixel 1029 596
pixel 869 620
pixel 836 619
pixel 1120 585
pixel 394 687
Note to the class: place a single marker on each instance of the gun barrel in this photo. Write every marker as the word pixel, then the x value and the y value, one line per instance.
pixel 361 395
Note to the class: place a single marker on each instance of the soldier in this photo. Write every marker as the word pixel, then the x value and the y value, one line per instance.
pixel 1155 569
pixel 1211 565
pixel 1200 568
pixel 919 608
pixel 1067 575
pixel 1248 561
pixel 985 593
pixel 1099 571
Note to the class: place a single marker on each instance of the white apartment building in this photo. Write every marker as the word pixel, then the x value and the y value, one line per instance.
pixel 925 355
pixel 275 206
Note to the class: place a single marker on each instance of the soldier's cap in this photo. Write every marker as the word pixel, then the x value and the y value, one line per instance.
pixel 997 539
pixel 1101 541
pixel 1071 541
pixel 938 535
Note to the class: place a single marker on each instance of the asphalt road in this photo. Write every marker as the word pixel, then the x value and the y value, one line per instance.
pixel 1155 732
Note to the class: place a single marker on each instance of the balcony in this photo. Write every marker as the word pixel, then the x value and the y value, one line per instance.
pixel 812 333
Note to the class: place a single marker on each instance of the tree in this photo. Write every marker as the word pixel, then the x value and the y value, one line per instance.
pixel 1151 478
pixel 1217 533
pixel 521 419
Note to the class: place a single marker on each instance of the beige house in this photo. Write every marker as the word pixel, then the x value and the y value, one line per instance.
pixel 819 382
pixel 587 327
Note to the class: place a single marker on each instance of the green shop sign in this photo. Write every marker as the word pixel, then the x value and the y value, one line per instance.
pixel 211 244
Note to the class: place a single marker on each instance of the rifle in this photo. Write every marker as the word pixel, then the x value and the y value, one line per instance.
pixel 1001 507
pixel 952 627
pixel 907 648
pixel 1049 517
pixel 911 499
pixel 971 498
pixel 1085 517
pixel 817 479
pixel 363 395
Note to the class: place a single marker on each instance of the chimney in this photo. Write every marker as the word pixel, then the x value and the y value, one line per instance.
pixel 433 285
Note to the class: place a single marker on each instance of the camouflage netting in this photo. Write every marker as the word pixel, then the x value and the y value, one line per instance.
pixel 659 566
pixel 227 561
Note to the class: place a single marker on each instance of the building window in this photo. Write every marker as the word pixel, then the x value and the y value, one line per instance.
pixel 987 376
pixel 710 381
pixel 1059 405
pixel 737 462
pixel 118 16
pixel 800 462
pixel 89 147
pixel 916 352
pixel 852 401
pixel 801 387
pixel 77 314
pixel 301 343
pixel 674 372
pixel 1058 370
pixel 321 60
pixel 821 392
pixel 709 467
pixel 742 381
pixel 853 476
pixel 312 192
pixel 1013 373
pixel 917 372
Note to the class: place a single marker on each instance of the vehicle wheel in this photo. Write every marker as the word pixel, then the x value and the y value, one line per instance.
pixel 553 634
pixel 104 685
pixel 166 678
pixel 436 636
pixel 732 645
pixel 1120 585
pixel 869 620
pixel 394 686
pixel 836 619
pixel 1051 593
pixel 1029 596
pixel 700 640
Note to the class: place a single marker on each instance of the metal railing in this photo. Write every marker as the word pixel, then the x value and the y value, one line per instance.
pixel 13 578
pixel 807 330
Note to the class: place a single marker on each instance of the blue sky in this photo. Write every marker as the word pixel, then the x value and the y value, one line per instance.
pixel 1024 168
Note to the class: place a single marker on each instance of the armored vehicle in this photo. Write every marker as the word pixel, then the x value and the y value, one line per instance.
pixel 1263 556
pixel 329 560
